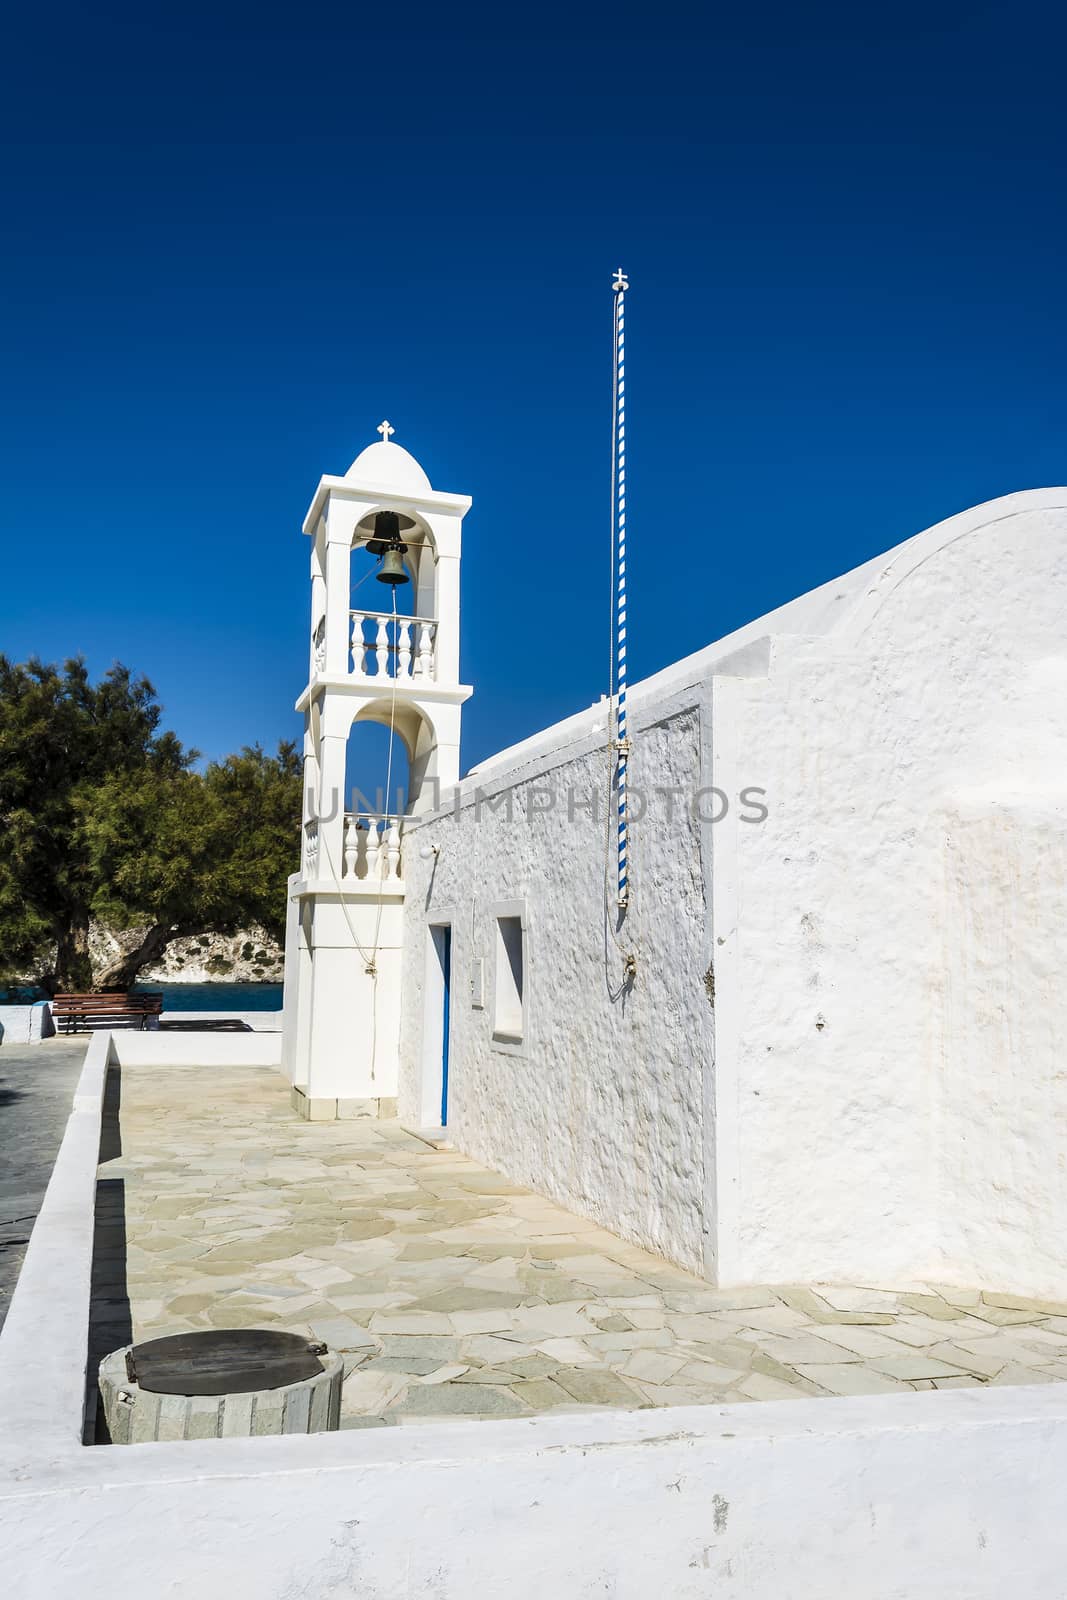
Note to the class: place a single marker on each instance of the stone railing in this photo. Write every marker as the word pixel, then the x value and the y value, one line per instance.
pixel 373 850
pixel 384 646
pixel 311 849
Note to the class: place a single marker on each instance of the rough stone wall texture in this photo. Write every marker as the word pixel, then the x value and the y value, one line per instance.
pixel 888 1099
pixel 900 1097
pixel 602 1110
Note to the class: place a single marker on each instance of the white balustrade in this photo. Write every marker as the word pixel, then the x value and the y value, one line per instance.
pixel 311 849
pixel 425 666
pixel 353 836
pixel 403 648
pixel 382 659
pixel 384 646
pixel 372 852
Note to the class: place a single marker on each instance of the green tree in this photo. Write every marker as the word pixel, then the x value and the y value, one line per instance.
pixel 102 816
pixel 60 738
pixel 194 853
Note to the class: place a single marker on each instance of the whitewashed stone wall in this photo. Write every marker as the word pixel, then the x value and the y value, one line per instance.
pixel 603 1108
pixel 25 1024
pixel 880 1092
pixel 895 982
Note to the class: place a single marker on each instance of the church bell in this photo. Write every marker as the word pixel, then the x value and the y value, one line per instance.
pixel 387 544
pixel 392 568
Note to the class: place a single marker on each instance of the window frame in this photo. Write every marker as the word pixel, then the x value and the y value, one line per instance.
pixel 506 1039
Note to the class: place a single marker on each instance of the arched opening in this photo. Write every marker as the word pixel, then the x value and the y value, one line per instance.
pixel 389 747
pixel 377 771
pixel 378 727
pixel 381 646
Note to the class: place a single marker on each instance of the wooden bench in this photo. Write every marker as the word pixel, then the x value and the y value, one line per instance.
pixel 75 1011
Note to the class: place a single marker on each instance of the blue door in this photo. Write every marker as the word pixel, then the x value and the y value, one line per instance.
pixel 446 973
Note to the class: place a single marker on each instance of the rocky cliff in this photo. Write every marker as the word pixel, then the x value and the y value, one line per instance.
pixel 249 956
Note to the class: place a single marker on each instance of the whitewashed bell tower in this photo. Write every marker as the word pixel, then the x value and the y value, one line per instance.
pixel 399 667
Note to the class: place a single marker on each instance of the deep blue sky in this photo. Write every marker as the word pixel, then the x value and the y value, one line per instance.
pixel 237 236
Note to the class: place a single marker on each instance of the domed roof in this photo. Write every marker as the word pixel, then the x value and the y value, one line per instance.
pixel 388 466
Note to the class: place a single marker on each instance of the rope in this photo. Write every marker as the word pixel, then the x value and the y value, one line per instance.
pixel 618 747
pixel 370 961
pixel 622 743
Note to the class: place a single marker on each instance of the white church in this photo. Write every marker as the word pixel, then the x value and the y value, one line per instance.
pixel 824 1041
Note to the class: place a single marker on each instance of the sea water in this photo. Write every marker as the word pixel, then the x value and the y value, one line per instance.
pixel 216 996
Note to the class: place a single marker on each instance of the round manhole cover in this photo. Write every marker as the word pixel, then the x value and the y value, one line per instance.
pixel 226 1361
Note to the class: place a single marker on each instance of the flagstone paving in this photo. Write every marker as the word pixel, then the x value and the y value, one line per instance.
pixel 455 1293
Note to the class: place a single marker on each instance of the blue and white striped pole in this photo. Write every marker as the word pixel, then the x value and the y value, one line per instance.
pixel 622 742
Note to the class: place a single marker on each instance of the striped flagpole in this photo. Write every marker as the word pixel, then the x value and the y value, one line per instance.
pixel 622 742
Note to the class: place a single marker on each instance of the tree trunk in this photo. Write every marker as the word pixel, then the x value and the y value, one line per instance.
pixel 74 972
pixel 124 970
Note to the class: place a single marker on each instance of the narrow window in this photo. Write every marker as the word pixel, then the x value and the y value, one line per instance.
pixel 510 962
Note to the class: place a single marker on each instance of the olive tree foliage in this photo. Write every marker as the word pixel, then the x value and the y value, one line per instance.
pixel 103 816
pixel 195 852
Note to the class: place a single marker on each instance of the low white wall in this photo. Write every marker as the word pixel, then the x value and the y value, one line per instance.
pixel 43 1340
pixel 25 1024
pixel 938 1496
pixel 192 1049
pixel 928 1497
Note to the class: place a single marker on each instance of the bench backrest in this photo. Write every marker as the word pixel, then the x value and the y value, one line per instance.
pixel 66 1003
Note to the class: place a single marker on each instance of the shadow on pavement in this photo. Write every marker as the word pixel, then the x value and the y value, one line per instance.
pixel 110 1321
pixel 224 1025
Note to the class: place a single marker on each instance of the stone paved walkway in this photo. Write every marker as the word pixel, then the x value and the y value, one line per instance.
pixel 36 1090
pixel 452 1291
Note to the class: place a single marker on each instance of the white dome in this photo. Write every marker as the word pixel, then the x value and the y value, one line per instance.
pixel 387 466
